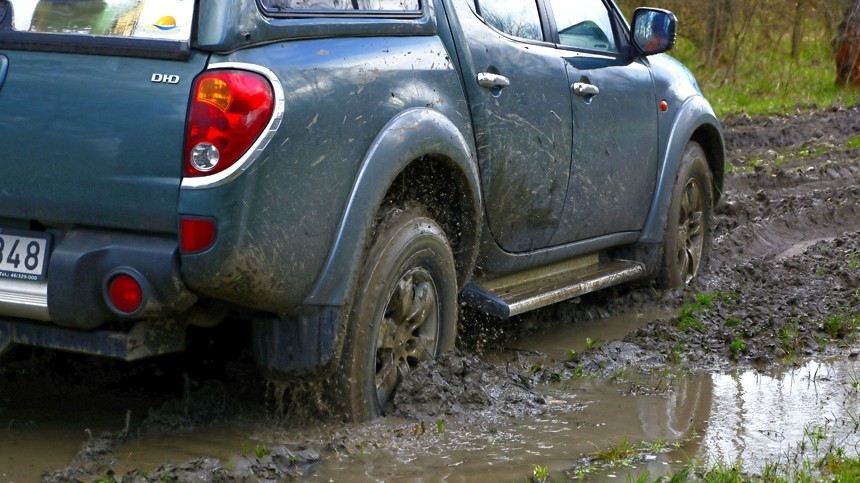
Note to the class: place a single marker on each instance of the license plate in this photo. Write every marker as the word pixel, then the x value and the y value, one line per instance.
pixel 23 255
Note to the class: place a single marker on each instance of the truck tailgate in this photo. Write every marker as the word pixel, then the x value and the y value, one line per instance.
pixel 92 139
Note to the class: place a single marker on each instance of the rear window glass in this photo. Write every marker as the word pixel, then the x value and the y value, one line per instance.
pixel 162 19
pixel 341 6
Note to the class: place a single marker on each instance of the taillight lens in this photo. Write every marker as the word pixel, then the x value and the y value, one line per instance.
pixel 229 111
pixel 196 234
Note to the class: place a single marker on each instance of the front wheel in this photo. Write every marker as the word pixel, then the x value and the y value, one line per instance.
pixel 687 241
pixel 404 312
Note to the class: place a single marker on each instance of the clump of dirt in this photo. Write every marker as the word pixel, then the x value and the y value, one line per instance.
pixel 463 385
pixel 278 464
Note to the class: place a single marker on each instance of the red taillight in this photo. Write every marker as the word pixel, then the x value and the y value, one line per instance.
pixel 196 234
pixel 125 293
pixel 229 111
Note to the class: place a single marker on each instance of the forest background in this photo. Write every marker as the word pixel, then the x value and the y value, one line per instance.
pixel 760 56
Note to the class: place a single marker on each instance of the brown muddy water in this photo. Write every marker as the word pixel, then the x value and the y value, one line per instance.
pixel 757 417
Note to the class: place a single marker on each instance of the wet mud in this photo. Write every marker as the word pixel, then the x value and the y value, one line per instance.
pixel 740 364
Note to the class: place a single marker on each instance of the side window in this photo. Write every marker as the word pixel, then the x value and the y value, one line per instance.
pixel 584 24
pixel 341 5
pixel 514 17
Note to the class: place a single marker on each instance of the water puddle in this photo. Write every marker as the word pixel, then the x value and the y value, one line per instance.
pixel 759 418
pixel 43 435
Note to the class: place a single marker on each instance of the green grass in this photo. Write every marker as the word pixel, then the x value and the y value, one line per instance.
pixel 737 348
pixel 540 474
pixel 841 325
pixel 700 304
pixel 766 80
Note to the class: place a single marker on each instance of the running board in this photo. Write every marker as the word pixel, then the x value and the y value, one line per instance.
pixel 514 295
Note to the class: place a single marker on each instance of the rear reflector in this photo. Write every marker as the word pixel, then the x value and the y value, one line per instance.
pixel 125 293
pixel 196 234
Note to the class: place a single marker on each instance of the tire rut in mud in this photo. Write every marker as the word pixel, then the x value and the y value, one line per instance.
pixel 782 282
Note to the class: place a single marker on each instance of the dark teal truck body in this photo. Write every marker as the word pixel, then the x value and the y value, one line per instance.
pixel 494 131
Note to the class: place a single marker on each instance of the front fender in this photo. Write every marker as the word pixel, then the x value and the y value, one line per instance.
pixel 695 121
pixel 408 137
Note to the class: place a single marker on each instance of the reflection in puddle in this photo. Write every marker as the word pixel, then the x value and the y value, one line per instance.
pixel 760 419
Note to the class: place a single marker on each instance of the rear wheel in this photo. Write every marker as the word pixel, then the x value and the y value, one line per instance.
pixel 687 241
pixel 404 312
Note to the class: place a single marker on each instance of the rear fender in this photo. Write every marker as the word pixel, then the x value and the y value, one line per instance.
pixel 407 137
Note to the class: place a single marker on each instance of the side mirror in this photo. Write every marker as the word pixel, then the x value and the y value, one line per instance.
pixel 654 30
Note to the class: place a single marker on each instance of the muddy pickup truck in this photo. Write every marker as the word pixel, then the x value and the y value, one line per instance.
pixel 343 175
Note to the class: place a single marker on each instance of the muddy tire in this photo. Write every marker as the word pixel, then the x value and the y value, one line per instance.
pixel 687 242
pixel 404 312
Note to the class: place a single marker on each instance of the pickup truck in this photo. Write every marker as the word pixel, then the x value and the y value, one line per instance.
pixel 344 175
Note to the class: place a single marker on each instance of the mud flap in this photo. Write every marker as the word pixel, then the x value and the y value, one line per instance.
pixel 303 347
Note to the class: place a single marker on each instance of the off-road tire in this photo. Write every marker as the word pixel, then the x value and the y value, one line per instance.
pixel 404 312
pixel 687 241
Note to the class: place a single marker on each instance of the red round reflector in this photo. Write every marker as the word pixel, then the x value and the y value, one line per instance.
pixel 125 292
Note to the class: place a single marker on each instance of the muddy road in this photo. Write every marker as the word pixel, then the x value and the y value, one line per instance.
pixel 758 354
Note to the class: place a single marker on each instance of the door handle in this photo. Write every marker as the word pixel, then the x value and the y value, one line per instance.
pixel 493 81
pixel 585 90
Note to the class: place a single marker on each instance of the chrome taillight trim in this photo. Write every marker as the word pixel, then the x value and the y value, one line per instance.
pixel 247 159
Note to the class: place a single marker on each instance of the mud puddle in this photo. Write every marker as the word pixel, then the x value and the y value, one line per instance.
pixel 663 422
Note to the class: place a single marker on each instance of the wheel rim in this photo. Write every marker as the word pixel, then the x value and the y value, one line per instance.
pixel 408 332
pixel 691 230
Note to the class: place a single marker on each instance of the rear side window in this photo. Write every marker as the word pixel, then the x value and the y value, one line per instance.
pixel 341 6
pixel 164 20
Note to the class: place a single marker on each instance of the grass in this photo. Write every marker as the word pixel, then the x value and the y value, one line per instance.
pixel 540 474
pixel 841 325
pixel 764 79
pixel 853 260
pixel 700 304
pixel 737 348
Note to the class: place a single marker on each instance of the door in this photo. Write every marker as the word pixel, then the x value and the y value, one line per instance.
pixel 615 154
pixel 519 98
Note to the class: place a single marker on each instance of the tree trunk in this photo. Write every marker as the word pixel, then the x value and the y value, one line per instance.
pixel 797 30
pixel 847 45
pixel 718 18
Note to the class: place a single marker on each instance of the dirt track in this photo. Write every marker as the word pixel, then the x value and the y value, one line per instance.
pixel 783 285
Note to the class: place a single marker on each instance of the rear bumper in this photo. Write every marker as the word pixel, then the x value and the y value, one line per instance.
pixel 79 268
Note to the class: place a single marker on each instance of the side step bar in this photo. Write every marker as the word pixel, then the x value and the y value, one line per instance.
pixel 520 293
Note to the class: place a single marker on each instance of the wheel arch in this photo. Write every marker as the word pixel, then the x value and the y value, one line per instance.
pixel 697 122
pixel 420 148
